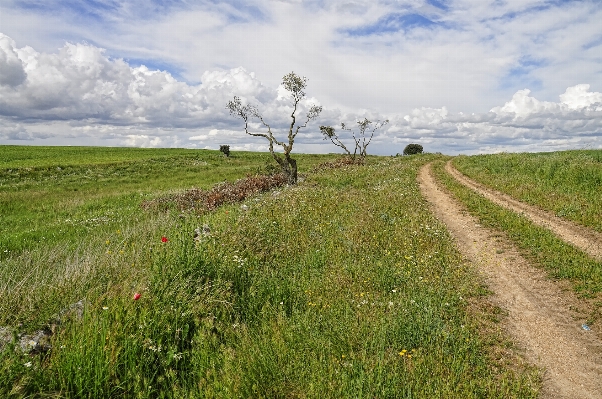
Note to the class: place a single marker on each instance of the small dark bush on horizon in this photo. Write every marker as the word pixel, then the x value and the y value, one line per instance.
pixel 225 149
pixel 412 149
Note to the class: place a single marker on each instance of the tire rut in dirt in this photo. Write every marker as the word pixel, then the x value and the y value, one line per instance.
pixel 587 240
pixel 539 316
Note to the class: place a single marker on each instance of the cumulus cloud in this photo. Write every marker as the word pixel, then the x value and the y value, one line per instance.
pixel 523 105
pixel 579 97
pixel 95 95
pixel 576 98
pixel 426 118
pixel 12 72
pixel 522 123
pixel 80 95
pixel 81 83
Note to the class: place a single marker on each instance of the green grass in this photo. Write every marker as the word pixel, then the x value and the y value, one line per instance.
pixel 343 286
pixel 562 261
pixel 57 194
pixel 567 183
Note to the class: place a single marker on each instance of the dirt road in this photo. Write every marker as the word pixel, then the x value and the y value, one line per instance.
pixel 585 239
pixel 539 316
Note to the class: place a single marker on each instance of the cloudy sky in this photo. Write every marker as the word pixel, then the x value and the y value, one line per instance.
pixel 457 76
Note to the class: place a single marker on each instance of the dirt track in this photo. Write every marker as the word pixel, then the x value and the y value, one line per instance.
pixel 539 316
pixel 587 240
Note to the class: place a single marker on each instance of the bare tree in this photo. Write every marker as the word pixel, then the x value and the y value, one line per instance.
pixel 329 132
pixel 296 86
pixel 361 139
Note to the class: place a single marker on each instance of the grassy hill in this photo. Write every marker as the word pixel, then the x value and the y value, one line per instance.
pixel 342 286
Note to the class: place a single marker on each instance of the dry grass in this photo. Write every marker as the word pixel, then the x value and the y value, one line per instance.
pixel 200 200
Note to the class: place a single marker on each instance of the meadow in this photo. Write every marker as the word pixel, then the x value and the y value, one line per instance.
pixel 56 194
pixel 342 286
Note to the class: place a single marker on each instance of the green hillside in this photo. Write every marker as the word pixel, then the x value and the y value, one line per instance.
pixel 342 286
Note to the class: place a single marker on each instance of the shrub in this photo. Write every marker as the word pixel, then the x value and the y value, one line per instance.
pixel 224 193
pixel 412 149
pixel 225 149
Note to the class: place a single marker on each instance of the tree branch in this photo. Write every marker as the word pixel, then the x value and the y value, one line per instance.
pixel 330 133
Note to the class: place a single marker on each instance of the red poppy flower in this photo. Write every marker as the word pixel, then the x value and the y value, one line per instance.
pixel 136 296
pixel 164 239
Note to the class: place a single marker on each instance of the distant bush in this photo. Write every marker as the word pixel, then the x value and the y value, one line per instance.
pixel 412 149
pixel 225 149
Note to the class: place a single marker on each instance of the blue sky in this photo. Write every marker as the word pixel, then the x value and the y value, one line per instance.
pixel 457 76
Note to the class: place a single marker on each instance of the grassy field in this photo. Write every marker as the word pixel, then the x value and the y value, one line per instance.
pixel 342 286
pixel 56 194
pixel 568 183
pixel 560 259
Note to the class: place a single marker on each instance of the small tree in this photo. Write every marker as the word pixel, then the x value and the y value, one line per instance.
pixel 225 149
pixel 412 149
pixel 296 86
pixel 360 139
pixel 329 132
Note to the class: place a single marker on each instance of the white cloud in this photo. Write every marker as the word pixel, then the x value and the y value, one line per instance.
pixel 12 72
pixel 576 103
pixel 523 105
pixel 523 123
pixel 426 118
pixel 474 58
pixel 502 64
pixel 148 141
pixel 578 97
pixel 81 83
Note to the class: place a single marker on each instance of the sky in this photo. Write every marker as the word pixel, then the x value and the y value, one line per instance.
pixel 456 76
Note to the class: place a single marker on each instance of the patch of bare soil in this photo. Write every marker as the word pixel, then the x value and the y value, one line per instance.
pixel 587 240
pixel 540 319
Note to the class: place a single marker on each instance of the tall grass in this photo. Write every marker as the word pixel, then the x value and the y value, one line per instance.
pixel 567 183
pixel 343 286
pixel 56 194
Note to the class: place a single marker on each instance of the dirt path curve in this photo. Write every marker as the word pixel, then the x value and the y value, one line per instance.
pixel 539 316
pixel 587 240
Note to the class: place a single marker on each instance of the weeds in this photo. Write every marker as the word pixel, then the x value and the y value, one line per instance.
pixel 343 286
